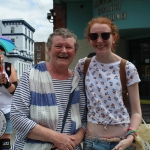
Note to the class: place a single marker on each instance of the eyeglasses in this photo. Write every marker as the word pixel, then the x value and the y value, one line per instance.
pixel 104 36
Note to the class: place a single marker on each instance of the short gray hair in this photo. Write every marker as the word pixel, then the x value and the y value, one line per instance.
pixel 64 32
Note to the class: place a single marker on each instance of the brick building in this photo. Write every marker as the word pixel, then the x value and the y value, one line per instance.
pixel 40 52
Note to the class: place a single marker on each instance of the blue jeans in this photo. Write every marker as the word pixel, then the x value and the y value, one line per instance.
pixel 95 144
pixel 9 125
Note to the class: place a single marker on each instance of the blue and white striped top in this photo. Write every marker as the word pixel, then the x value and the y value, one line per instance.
pixel 22 117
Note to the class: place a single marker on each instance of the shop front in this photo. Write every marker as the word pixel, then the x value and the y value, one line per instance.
pixel 139 54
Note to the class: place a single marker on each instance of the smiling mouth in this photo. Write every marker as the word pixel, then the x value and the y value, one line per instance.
pixel 100 46
pixel 63 57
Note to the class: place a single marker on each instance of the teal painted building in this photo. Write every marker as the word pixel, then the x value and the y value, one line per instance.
pixel 133 20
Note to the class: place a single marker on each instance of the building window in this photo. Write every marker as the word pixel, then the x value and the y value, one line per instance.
pixel 19 69
pixel 31 35
pixel 25 31
pixel 29 45
pixel 13 40
pixel 38 48
pixel 38 56
pixel 25 43
pixel 32 47
pixel 12 29
pixel 22 68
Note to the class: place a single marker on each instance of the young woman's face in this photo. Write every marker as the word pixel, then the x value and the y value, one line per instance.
pixel 102 42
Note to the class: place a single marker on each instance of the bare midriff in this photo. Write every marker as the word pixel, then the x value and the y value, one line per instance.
pixel 97 130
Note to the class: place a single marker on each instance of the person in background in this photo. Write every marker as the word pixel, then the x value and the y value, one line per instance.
pixel 8 85
pixel 91 54
pixel 109 125
pixel 41 98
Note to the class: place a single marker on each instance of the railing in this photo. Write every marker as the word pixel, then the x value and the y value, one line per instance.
pixel 20 54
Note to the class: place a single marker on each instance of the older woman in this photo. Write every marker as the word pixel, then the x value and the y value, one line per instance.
pixel 41 98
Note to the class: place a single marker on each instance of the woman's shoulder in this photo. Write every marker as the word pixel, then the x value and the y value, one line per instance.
pixel 132 73
pixel 82 61
pixel 130 66
pixel 80 65
pixel 41 66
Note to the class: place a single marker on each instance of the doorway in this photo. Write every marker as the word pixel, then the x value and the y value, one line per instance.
pixel 139 55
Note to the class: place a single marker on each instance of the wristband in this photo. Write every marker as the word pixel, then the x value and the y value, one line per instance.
pixel 130 128
pixel 131 132
pixel 7 85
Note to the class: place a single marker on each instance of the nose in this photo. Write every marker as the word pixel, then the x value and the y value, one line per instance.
pixel 99 38
pixel 64 49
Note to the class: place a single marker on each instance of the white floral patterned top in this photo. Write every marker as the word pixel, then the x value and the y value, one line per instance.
pixel 104 91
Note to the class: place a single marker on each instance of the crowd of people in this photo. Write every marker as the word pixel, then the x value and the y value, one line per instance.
pixel 54 107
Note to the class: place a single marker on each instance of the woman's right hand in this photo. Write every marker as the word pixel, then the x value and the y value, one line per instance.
pixel 64 141
pixel 124 143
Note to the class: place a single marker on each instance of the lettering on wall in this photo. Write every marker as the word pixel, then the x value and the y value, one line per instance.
pixel 110 9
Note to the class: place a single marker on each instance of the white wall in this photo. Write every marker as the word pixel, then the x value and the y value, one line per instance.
pixel 20 64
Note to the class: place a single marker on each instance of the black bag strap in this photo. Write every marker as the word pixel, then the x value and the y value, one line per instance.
pixel 66 112
pixel 123 80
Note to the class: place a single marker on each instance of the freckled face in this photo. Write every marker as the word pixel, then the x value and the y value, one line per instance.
pixel 62 51
pixel 101 46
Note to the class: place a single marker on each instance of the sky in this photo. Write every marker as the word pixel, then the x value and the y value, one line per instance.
pixel 34 12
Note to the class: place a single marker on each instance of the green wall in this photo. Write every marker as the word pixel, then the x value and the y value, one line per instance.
pixel 78 14
pixel 137 12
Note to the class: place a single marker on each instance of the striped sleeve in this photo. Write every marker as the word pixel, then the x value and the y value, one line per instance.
pixel 20 115
pixel 83 108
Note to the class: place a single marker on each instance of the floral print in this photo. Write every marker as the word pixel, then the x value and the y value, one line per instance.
pixel 104 91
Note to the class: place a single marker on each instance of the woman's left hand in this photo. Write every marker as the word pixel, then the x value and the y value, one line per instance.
pixel 124 143
pixel 78 137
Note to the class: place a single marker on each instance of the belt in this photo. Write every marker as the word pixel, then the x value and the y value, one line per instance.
pixel 114 139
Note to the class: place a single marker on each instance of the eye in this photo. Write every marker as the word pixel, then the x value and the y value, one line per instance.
pixel 58 46
pixel 68 47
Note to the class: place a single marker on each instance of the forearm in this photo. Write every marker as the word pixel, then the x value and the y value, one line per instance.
pixel 135 106
pixel 59 140
pixel 42 134
pixel 135 120
pixel 12 88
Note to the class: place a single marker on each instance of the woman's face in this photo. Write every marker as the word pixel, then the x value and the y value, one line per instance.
pixel 62 51
pixel 103 43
